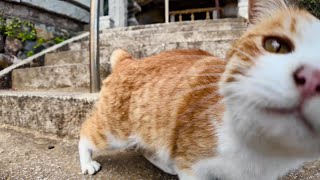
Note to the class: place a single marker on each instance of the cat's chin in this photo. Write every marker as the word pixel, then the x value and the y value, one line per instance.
pixel 297 111
pixel 306 112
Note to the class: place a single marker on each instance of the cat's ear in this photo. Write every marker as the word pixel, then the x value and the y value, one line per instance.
pixel 260 9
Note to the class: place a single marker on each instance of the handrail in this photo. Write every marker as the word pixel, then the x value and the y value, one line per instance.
pixel 94 47
pixel 198 10
pixel 42 53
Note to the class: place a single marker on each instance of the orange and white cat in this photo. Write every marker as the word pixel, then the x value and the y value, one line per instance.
pixel 254 116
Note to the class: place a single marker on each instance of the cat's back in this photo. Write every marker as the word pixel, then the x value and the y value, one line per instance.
pixel 171 95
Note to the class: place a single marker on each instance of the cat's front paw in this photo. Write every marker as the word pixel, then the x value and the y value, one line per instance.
pixel 90 167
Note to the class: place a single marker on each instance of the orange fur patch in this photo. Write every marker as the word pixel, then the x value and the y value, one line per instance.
pixel 169 100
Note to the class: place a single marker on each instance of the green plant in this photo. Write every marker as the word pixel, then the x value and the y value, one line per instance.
pixel 311 5
pixel 40 42
pixel 2 25
pixel 30 53
pixel 22 30
pixel 58 40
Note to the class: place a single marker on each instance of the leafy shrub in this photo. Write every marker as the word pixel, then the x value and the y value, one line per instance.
pixel 2 25
pixel 30 53
pixel 58 40
pixel 22 30
pixel 311 5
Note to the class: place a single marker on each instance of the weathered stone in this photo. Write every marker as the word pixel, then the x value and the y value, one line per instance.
pixel 40 16
pixel 29 45
pixel 118 12
pixel 22 55
pixel 5 81
pixel 60 7
pixel 4 61
pixel 12 45
pixel 2 43
pixel 37 62
pixel 68 78
pixel 43 33
pixel 62 117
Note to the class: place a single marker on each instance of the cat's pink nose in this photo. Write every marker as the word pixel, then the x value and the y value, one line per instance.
pixel 307 79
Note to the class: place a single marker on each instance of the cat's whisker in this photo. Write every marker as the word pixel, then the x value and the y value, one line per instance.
pixel 265 86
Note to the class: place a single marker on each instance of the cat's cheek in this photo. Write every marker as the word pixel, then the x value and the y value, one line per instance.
pixel 312 112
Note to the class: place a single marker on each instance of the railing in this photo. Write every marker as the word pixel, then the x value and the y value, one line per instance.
pixel 192 13
pixel 94 47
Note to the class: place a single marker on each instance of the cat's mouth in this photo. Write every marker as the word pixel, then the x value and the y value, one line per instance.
pixel 296 111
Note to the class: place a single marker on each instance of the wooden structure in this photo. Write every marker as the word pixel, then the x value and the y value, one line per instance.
pixel 215 11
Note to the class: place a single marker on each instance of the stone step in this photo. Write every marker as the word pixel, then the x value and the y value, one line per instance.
pixel 49 112
pixel 66 75
pixel 217 48
pixel 185 28
pixel 73 57
pixel 178 24
pixel 161 37
pixel 211 25
pixel 66 78
pixel 123 40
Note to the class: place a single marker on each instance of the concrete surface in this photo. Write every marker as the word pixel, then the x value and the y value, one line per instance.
pixel 69 78
pixel 25 155
pixel 55 113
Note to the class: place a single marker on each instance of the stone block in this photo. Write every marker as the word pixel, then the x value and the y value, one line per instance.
pixel 55 113
pixel 65 78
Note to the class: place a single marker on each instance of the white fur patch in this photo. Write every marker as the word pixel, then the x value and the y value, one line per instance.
pixel 85 152
pixel 255 143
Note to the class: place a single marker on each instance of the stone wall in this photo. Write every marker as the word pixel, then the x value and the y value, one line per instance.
pixel 39 16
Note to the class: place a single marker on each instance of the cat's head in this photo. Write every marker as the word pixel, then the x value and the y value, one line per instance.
pixel 271 85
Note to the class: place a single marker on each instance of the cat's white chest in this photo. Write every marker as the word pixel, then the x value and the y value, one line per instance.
pixel 235 161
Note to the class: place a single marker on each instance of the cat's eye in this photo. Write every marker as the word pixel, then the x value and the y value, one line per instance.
pixel 277 45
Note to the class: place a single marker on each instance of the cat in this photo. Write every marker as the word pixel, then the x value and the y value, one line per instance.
pixel 253 116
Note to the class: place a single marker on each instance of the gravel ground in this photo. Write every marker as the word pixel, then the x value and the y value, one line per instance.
pixel 25 155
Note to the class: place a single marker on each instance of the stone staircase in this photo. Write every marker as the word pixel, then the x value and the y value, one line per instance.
pixel 67 71
pixel 41 117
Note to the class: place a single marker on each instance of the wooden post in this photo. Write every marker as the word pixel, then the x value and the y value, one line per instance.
pixel 207 15
pixel 192 17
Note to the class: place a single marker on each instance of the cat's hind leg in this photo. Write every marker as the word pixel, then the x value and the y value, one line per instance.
pixel 166 166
